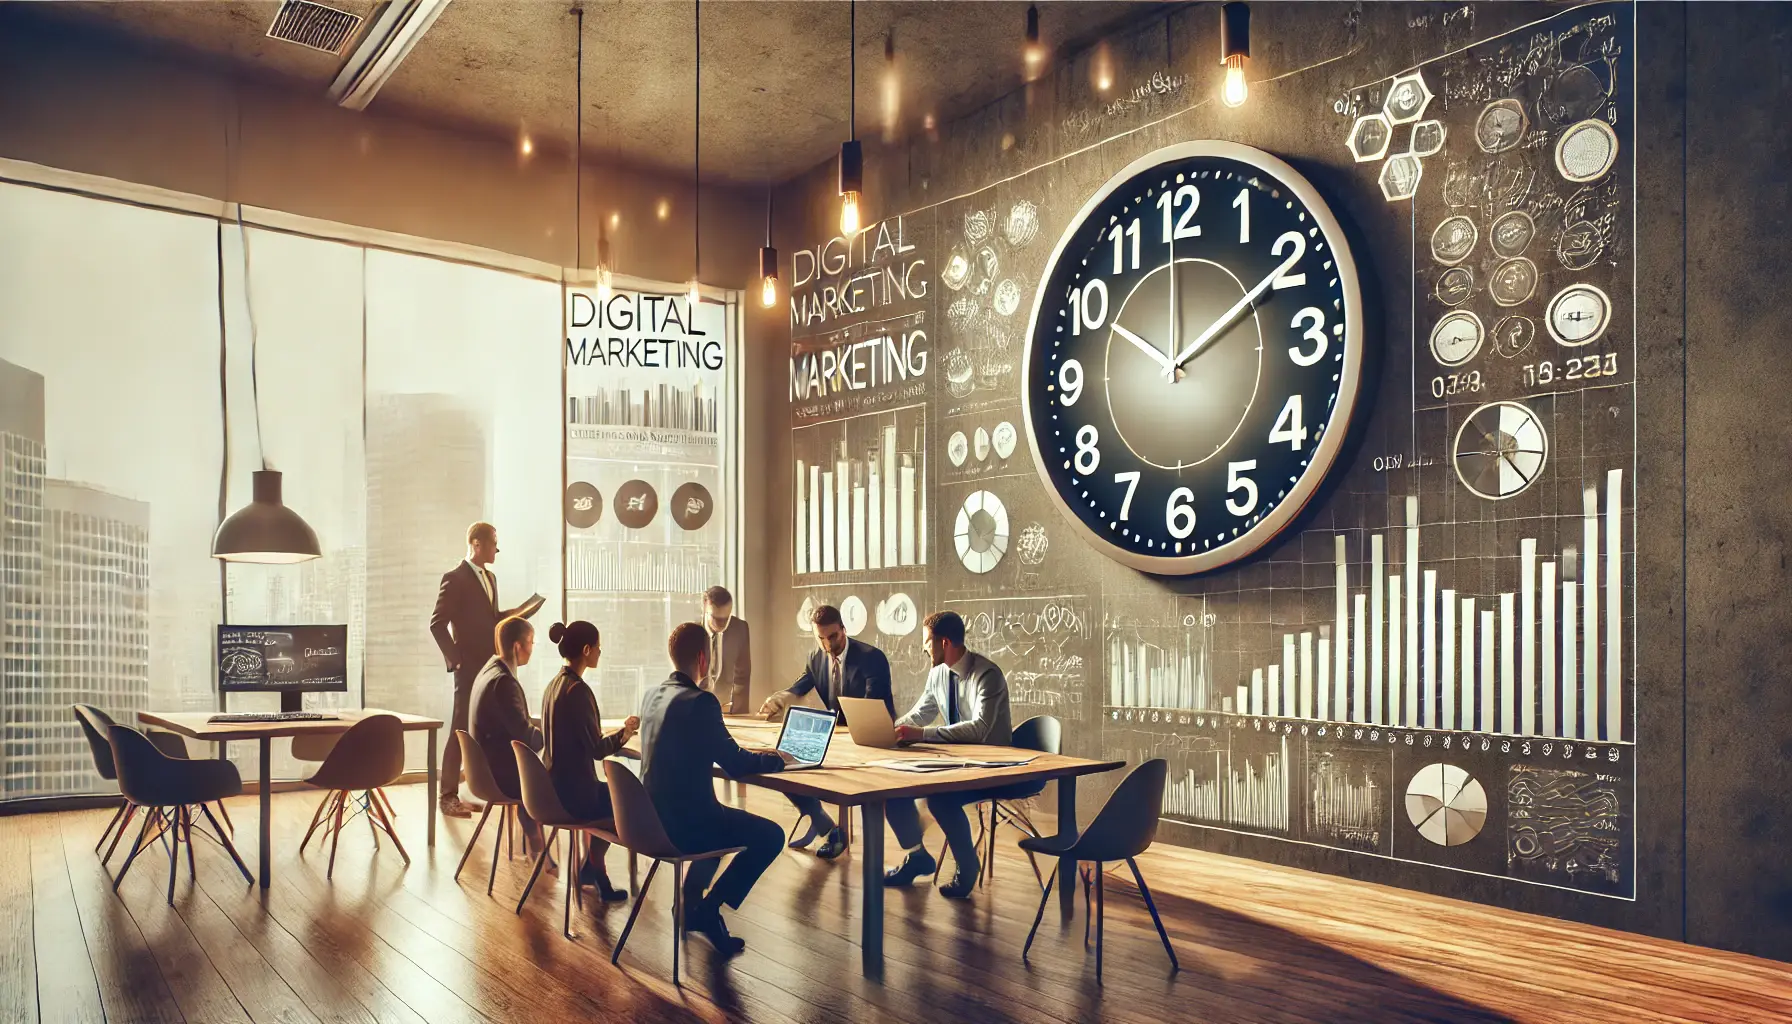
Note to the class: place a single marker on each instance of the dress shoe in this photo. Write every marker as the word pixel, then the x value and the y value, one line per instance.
pixel 452 808
pixel 706 921
pixel 591 874
pixel 960 887
pixel 835 846
pixel 816 830
pixel 916 864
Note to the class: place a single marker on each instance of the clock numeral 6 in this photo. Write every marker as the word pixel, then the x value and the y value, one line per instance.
pixel 1088 306
pixel 1314 333
pixel 1236 483
pixel 1088 457
pixel 1070 382
pixel 1179 514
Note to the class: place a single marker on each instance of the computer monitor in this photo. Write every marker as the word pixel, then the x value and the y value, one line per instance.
pixel 288 660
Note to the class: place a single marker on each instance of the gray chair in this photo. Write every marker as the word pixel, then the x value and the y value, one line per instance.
pixel 1124 828
pixel 542 802
pixel 167 789
pixel 1044 734
pixel 481 784
pixel 369 756
pixel 638 828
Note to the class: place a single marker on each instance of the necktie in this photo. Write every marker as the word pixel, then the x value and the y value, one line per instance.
pixel 835 684
pixel 491 591
pixel 951 697
pixel 715 657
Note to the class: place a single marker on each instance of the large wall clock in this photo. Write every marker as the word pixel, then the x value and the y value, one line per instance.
pixel 1194 357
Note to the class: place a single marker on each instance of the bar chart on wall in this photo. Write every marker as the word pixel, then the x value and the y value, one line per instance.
pixel 860 495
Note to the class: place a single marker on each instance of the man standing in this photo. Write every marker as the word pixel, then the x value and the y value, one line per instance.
pixel 839 667
pixel 464 621
pixel 971 694
pixel 682 735
pixel 730 652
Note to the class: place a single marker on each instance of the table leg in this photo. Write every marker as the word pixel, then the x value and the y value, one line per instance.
pixel 1067 865
pixel 267 808
pixel 871 857
pixel 429 808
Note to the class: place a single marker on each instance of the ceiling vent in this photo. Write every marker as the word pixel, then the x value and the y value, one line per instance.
pixel 314 25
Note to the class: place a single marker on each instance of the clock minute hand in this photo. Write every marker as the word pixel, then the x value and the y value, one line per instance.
pixel 1224 321
pixel 1157 355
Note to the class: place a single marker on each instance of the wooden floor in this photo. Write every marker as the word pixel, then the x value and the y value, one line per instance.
pixel 383 943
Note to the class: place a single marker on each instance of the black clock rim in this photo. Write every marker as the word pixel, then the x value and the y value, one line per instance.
pixel 1325 454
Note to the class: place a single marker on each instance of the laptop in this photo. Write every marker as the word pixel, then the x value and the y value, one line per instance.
pixel 869 720
pixel 806 736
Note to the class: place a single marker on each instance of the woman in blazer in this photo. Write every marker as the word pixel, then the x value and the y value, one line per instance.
pixel 575 743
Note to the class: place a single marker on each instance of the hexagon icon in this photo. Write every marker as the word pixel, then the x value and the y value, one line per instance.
pixel 1407 98
pixel 1369 137
pixel 1427 138
pixel 1400 177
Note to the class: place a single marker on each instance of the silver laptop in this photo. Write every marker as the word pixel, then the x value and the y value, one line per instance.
pixel 806 736
pixel 870 722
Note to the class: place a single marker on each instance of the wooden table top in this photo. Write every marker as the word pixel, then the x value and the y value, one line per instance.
pixel 197 724
pixel 850 779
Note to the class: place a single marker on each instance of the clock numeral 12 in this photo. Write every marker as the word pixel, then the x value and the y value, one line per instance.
pixel 1168 203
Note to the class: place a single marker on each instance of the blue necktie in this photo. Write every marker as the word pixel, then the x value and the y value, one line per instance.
pixel 951 697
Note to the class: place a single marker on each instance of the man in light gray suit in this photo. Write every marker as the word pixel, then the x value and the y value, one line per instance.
pixel 970 693
pixel 730 652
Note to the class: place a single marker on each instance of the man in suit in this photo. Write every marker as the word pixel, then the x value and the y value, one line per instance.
pixel 682 735
pixel 464 621
pixel 730 652
pixel 839 667
pixel 971 694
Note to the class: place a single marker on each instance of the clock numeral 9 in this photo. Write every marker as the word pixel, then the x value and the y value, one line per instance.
pixel 1084 310
pixel 1115 235
pixel 1314 333
pixel 1179 514
pixel 1283 278
pixel 1236 483
pixel 1088 457
pixel 1070 382
pixel 1167 203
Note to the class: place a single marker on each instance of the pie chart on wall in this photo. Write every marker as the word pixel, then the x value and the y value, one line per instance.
pixel 981 532
pixel 1446 804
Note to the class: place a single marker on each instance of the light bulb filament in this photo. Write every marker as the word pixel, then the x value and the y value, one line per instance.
pixel 849 213
pixel 1234 90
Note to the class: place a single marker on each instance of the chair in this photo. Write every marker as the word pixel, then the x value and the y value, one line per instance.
pixel 1124 828
pixel 1044 734
pixel 543 804
pixel 315 747
pixel 481 784
pixel 370 755
pixel 638 828
pixel 94 724
pixel 174 745
pixel 167 789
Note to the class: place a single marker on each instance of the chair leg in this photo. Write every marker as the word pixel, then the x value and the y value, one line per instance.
pixel 640 898
pixel 510 837
pixel 1101 909
pixel 541 859
pixel 130 813
pixel 336 835
pixel 571 873
pixel 473 841
pixel 633 886
pixel 677 916
pixel 117 816
pixel 1151 905
pixel 150 817
pixel 504 817
pixel 318 817
pixel 845 820
pixel 368 803
pixel 186 814
pixel 386 802
pixel 1088 910
pixel 379 808
pixel 1044 897
pixel 229 847
pixel 173 834
pixel 224 812
pixel 989 849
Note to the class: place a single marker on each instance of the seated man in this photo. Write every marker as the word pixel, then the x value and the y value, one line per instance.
pixel 969 691
pixel 682 735
pixel 839 667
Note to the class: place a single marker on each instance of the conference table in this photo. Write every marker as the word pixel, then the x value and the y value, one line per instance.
pixel 199 726
pixel 850 779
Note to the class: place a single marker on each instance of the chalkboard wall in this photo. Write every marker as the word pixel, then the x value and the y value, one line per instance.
pixel 1512 179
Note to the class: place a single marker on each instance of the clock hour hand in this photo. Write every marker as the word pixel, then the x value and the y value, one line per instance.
pixel 1156 354
pixel 1222 323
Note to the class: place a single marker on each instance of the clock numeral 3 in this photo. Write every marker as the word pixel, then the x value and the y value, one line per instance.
pixel 1236 483
pixel 1179 514
pixel 1087 437
pixel 1314 333
pixel 1283 278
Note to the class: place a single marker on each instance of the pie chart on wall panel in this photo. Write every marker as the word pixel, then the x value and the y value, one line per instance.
pixel 1446 804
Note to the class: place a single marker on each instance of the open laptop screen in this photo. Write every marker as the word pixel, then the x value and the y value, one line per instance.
pixel 807 733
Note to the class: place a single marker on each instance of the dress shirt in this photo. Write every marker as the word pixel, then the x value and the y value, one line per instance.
pixel 485 582
pixel 973 696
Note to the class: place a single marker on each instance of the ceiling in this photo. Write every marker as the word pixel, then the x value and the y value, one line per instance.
pixel 775 74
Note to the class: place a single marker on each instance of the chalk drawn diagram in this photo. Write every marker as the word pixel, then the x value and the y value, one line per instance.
pixel 1457 338
pixel 1408 97
pixel 1446 804
pixel 1500 450
pixel 1032 544
pixel 1369 137
pixel 1501 125
pixel 980 445
pixel 1512 233
pixel 1454 239
pixel 853 615
pixel 1562 821
pixel 1005 438
pixel 1578 315
pixel 1512 335
pixel 957 448
pixel 897 615
pixel 1455 285
pixel 1580 245
pixel 980 533
pixel 1513 281
pixel 1576 92
pixel 988 289
pixel 636 504
pixel 1041 643
pixel 1349 796
pixel 1400 177
pixel 1586 150
pixel 1427 138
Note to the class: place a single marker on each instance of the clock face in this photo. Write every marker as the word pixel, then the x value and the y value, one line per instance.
pixel 1194 356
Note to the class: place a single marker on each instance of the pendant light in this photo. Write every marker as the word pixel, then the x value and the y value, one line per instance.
pixel 1033 54
pixel 852 156
pixel 1235 49
pixel 601 270
pixel 768 259
pixel 697 162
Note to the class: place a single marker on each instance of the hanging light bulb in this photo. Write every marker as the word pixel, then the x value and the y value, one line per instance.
pixel 768 259
pixel 1235 49
pixel 696 293
pixel 1033 53
pixel 852 156
pixel 605 277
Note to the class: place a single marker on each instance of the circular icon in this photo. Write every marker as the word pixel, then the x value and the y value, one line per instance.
pixel 957 271
pixel 957 448
pixel 959 372
pixel 1032 544
pixel 1501 124
pixel 1455 286
pixel 976 225
pixel 1512 233
pixel 1513 281
pixel 1572 95
pixel 980 533
pixel 1513 335
pixel 1407 98
pixel 584 506
pixel 1586 150
pixel 1004 438
pixel 897 615
pixel 1446 804
pixel 1454 239
pixel 1577 315
pixel 1500 450
pixel 804 615
pixel 1023 224
pixel 853 615
pixel 636 504
pixel 980 444
pixel 1456 338
pixel 1580 245
pixel 1007 297
pixel 692 505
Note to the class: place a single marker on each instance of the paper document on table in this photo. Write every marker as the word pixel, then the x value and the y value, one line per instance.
pixel 945 764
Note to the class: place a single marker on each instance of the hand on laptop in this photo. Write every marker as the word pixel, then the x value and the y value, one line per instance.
pixel 908 734
pixel 789 759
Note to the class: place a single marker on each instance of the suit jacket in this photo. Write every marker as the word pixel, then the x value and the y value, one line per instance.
pixel 500 714
pixel 734 680
pixel 465 620
pixel 980 696
pixel 865 668
pixel 572 727
pixel 681 736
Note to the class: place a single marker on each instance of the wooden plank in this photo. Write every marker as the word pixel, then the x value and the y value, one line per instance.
pixel 199 726
pixel 67 990
pixel 130 982
pixel 18 960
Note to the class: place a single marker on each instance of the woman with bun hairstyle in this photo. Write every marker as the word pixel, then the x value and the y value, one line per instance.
pixel 572 726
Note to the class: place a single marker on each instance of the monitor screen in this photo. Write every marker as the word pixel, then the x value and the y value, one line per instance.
pixel 291 659
pixel 807 733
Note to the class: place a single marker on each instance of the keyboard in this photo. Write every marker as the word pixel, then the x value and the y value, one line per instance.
pixel 250 717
